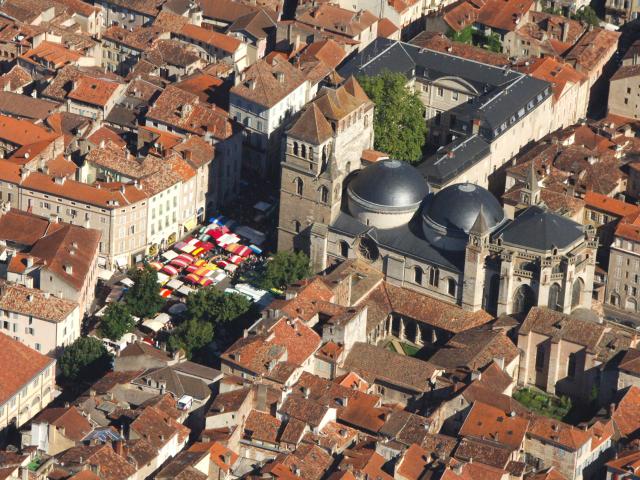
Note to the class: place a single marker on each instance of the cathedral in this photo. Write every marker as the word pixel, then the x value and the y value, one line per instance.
pixel 455 244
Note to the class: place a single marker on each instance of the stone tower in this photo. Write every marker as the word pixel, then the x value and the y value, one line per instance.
pixel 530 194
pixel 323 146
pixel 474 265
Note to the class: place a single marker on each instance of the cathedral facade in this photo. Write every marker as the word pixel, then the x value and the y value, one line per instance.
pixel 456 245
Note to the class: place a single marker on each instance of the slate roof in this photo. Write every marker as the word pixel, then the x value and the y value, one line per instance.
pixel 540 229
pixel 504 96
pixel 407 239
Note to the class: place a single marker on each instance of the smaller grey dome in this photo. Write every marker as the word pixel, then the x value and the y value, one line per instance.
pixel 389 184
pixel 456 208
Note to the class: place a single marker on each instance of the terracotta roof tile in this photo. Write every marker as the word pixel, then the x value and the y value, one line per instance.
pixel 491 423
pixel 441 43
pixel 610 205
pixel 626 414
pixel 387 366
pixel 262 426
pixel 76 426
pixel 34 302
pixel 268 83
pixel 20 364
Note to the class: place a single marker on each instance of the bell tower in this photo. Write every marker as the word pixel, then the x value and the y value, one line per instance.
pixel 310 186
pixel 530 194
pixel 474 266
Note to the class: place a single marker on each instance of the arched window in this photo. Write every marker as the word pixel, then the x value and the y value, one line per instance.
pixel 299 185
pixel 434 275
pixel 366 120
pixel 310 153
pixel 451 287
pixel 296 226
pixel 571 365
pixel 523 299
pixel 304 151
pixel 576 292
pixel 344 248
pixel 555 300
pixel 417 275
pixel 295 148
pixel 324 194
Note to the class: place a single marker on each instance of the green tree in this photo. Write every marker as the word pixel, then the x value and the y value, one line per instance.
pixel 587 15
pixel 190 336
pixel 493 43
pixel 211 305
pixel 285 268
pixel 85 359
pixel 399 125
pixel 463 36
pixel 116 321
pixel 143 298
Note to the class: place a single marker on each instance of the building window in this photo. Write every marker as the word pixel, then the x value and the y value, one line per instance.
pixel 451 287
pixel 299 186
pixel 296 148
pixel 555 298
pixel 417 275
pixel 324 194
pixel 296 226
pixel 571 365
pixel 304 151
pixel 440 92
pixel 344 249
pixel 540 352
pixel 433 277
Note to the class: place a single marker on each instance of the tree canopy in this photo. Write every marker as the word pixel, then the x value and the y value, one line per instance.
pixel 399 125
pixel 85 359
pixel 190 336
pixel 211 305
pixel 587 15
pixel 285 268
pixel 143 298
pixel 464 36
pixel 116 321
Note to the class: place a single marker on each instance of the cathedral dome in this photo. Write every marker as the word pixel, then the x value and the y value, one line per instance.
pixel 386 194
pixel 456 208
pixel 453 211
pixel 389 184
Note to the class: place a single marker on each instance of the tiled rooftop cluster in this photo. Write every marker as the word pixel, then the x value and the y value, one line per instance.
pixel 125 124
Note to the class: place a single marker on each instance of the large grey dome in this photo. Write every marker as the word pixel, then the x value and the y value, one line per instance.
pixel 389 184
pixel 456 208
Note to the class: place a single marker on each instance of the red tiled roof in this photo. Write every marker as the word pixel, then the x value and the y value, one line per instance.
pixel 626 415
pixel 300 341
pixel 215 39
pixel 20 364
pixel 629 227
pixel 93 91
pixel 607 204
pixel 491 423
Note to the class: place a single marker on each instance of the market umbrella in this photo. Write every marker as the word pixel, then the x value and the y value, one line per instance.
pixel 192 278
pixel 186 257
pixel 170 270
pixel 157 266
pixel 179 263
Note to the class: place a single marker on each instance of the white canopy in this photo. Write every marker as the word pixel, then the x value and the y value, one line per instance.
pixel 170 255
